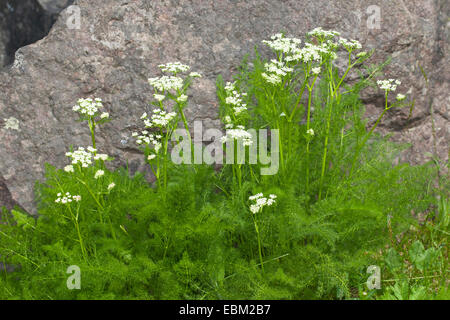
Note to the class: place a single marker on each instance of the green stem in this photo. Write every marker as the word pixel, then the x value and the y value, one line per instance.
pixel 308 120
pixel 92 129
pixel 77 227
pixel 361 146
pixel 259 242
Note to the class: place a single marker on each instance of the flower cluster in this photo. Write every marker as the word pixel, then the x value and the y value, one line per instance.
pixel 234 98
pixel 81 156
pixel 237 133
pixel 350 45
pixel 401 97
pixel 275 71
pixel 182 98
pixel 259 202
pixel 323 34
pixel 99 173
pixel 388 85
pixel 159 118
pixel 195 75
pixel 316 70
pixel 280 44
pixel 67 198
pixel 309 53
pixel 166 83
pixel 89 107
pixel 148 138
pixel 174 67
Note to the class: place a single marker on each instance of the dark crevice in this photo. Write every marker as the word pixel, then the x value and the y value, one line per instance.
pixel 22 22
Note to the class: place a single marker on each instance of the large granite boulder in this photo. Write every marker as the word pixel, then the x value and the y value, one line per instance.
pixel 120 43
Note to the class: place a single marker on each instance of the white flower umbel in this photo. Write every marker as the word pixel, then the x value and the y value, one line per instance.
pixel 104 115
pixel 234 99
pixel 350 45
pixel 316 70
pixel 323 34
pixel 389 84
pixel 279 43
pixel 166 83
pixel 69 169
pixel 258 202
pixel 88 107
pixel 195 75
pixel 401 97
pixel 111 186
pixel 275 71
pixel 101 156
pixel 99 173
pixel 67 198
pixel 159 97
pixel 174 67
pixel 310 132
pixel 183 98
pixel 81 156
pixel 159 119
pixel 238 133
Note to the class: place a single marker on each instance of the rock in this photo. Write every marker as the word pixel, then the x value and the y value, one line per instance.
pixel 120 44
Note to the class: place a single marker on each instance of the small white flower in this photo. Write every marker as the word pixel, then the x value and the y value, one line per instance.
pixel 101 156
pixel 259 202
pixel 195 75
pixel 388 85
pixel 174 67
pixel 111 186
pixel 315 70
pixel 159 97
pixel 67 198
pixel 182 98
pixel 350 45
pixel 69 168
pixel 99 174
pixel 310 132
pixel 104 115
pixel 400 97
pixel 88 106
pixel 81 157
pixel 166 83
pixel 151 157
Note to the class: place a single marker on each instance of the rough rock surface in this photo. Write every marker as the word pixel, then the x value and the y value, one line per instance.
pixel 120 43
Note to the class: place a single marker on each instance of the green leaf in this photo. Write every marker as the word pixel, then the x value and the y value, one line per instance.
pixel 416 253
pixel 23 220
pixel 393 259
